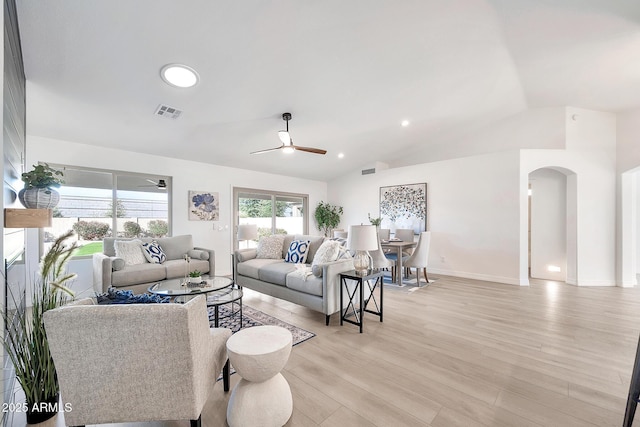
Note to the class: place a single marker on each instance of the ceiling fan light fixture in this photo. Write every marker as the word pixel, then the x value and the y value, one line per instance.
pixel 288 149
pixel 179 75
pixel 284 137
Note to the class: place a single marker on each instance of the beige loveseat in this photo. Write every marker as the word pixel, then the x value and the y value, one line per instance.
pixel 135 362
pixel 109 270
pixel 283 280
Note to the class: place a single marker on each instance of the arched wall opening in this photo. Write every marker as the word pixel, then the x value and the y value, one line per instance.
pixel 552 224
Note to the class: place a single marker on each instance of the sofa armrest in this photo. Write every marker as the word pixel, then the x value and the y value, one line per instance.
pixel 239 256
pixel 331 283
pixel 212 260
pixel 102 268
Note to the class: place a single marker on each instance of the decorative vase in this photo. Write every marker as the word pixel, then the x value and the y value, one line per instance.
pixel 39 198
pixel 38 412
pixel 195 279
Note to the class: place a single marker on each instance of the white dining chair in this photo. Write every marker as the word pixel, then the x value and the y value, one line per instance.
pixel 384 234
pixel 406 235
pixel 420 257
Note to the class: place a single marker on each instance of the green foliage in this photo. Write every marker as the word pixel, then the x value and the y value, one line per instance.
pixel 256 208
pixel 264 231
pixel 195 273
pixel 42 176
pixel 132 229
pixel 91 230
pixel 158 228
pixel 89 249
pixel 26 342
pixel 121 211
pixel 57 213
pixel 374 221
pixel 327 217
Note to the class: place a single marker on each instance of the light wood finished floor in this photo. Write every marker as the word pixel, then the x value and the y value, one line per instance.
pixel 461 353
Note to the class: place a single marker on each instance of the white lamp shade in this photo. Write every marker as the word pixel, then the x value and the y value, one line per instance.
pixel 362 238
pixel 247 231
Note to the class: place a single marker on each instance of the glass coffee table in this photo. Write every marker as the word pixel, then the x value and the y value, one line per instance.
pixel 218 290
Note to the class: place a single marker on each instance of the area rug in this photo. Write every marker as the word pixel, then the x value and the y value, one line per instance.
pixel 252 317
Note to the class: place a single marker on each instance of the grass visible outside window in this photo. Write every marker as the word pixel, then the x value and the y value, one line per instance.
pixel 88 249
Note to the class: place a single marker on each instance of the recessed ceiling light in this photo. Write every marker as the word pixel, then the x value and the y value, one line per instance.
pixel 179 75
pixel 405 123
pixel 340 155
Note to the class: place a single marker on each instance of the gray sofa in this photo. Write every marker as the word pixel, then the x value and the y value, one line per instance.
pixel 108 270
pixel 282 280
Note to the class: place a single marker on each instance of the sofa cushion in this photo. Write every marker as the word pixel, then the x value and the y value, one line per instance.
pixel 251 267
pixel 117 263
pixel 298 251
pixel 288 238
pixel 130 251
pixel 176 247
pixel 276 273
pixel 178 267
pixel 136 274
pixel 153 252
pixel 198 254
pixel 270 247
pixel 307 284
pixel 314 245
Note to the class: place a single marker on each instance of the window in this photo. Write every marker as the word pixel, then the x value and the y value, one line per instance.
pixel 272 212
pixel 97 203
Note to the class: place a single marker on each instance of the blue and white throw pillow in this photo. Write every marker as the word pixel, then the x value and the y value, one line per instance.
pixel 298 251
pixel 153 252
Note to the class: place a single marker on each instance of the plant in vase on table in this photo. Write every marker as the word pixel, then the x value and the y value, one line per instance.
pixel 195 276
pixel 26 341
pixel 38 192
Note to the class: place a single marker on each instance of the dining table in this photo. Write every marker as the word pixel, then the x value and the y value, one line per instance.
pixel 399 246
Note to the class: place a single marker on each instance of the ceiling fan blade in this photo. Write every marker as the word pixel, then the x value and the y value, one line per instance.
pixel 151 181
pixel 310 150
pixel 267 150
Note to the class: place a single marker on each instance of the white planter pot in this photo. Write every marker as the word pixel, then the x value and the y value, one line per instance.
pixel 39 198
pixel 195 279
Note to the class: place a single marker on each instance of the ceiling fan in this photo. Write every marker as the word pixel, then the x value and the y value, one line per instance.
pixel 287 143
pixel 161 184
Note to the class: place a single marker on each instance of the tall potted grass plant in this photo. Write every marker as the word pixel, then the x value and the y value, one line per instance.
pixel 26 340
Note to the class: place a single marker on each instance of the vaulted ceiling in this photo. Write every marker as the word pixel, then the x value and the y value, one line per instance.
pixel 349 71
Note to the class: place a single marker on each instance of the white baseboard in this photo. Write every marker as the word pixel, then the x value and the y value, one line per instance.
pixel 476 276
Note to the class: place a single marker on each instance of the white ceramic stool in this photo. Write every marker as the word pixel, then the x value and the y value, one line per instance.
pixel 262 397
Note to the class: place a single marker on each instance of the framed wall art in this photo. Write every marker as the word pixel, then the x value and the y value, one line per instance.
pixel 203 206
pixel 404 206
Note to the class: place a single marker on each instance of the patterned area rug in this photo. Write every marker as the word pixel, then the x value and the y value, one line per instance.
pixel 252 317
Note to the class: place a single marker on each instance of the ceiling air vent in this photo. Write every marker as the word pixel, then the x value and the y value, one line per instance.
pixel 368 171
pixel 168 112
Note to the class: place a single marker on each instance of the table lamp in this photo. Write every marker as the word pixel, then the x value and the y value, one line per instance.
pixel 362 238
pixel 247 232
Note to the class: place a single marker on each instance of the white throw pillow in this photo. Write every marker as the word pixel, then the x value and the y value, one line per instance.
pixel 130 251
pixel 327 252
pixel 270 247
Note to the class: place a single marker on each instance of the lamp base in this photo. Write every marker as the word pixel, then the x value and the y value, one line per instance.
pixel 362 262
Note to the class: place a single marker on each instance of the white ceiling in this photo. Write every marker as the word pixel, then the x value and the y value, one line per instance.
pixel 349 71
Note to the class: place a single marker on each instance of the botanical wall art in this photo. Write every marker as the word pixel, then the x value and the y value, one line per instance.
pixel 404 206
pixel 203 206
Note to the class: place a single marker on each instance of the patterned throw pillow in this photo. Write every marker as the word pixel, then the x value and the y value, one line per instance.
pixel 130 251
pixel 298 251
pixel 153 253
pixel 270 247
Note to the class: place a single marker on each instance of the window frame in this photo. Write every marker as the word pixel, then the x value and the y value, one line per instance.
pixel 114 197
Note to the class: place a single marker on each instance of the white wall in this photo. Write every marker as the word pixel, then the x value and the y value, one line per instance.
pixel 636 220
pixel 591 155
pixel 187 175
pixel 548 224
pixel 472 211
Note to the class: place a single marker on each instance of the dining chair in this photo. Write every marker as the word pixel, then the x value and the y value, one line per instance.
pixel 340 234
pixel 384 234
pixel 420 257
pixel 380 261
pixel 406 235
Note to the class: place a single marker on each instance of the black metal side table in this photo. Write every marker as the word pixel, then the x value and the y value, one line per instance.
pixel 358 290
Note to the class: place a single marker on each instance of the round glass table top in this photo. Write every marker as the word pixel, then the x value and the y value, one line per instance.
pixel 176 287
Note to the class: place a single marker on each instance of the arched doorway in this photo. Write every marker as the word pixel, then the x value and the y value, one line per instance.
pixel 552 224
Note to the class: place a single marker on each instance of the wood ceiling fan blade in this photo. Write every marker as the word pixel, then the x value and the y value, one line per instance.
pixel 267 150
pixel 310 150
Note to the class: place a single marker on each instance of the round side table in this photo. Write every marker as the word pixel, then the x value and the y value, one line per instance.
pixel 263 396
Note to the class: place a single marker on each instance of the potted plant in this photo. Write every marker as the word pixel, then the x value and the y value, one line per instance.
pixel 195 276
pixel 26 341
pixel 38 192
pixel 327 217
pixel 374 221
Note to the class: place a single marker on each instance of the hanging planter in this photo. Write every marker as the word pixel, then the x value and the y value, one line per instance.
pixel 37 192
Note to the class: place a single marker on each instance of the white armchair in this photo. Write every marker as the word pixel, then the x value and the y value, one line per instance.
pixel 135 362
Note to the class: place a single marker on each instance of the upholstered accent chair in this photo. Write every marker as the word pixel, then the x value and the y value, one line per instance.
pixel 135 362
